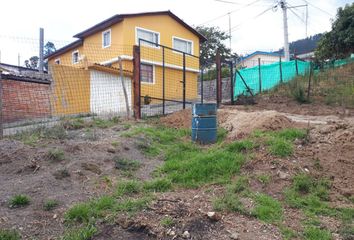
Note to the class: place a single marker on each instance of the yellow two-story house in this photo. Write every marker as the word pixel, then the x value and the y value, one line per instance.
pixel 101 48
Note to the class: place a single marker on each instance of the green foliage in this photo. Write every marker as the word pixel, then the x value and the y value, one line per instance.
pixel 315 233
pixel 19 200
pixel 339 42
pixel 167 221
pixel 267 208
pixel 50 204
pixel 33 136
pixel 80 212
pixel 126 164
pixel 73 123
pixel 7 234
pixel 240 146
pixel 158 185
pixel 128 188
pixel 82 233
pixel 280 147
pixel 132 205
pixel 299 94
pixel 56 155
pixel 264 178
pixel 287 233
pixel 228 202
pixel 239 186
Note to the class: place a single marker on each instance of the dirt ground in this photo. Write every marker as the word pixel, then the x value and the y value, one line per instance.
pixel 91 169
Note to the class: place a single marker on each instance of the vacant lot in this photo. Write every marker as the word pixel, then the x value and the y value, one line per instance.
pixel 273 174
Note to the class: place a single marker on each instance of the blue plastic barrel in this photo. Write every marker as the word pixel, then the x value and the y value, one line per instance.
pixel 204 125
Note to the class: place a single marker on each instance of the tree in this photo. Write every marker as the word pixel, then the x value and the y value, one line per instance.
pixel 33 62
pixel 208 48
pixel 339 42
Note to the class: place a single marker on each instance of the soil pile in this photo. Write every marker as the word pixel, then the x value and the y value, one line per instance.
pixel 180 119
pixel 240 124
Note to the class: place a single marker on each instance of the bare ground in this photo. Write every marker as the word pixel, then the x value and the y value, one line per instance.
pixel 27 170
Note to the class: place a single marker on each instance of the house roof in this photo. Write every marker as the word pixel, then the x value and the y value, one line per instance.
pixel 64 49
pixel 7 67
pixel 120 17
pixel 261 53
pixel 22 78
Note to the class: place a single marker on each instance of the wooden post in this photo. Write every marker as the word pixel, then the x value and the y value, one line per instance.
pixel 121 75
pixel 218 78
pixel 280 70
pixel 232 87
pixel 1 117
pixel 136 82
pixel 309 86
pixel 259 75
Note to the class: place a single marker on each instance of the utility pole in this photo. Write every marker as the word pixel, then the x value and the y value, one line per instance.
pixel 230 37
pixel 286 36
pixel 41 47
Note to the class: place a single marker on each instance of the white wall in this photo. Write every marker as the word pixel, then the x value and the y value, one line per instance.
pixel 265 59
pixel 106 93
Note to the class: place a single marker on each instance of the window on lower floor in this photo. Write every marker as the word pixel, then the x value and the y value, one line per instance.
pixel 147 73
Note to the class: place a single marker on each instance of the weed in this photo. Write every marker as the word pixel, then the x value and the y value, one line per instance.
pixel 115 144
pixel 229 202
pixel 99 206
pixel 287 233
pixel 347 232
pixel 302 183
pixel 104 123
pixel 290 134
pixel 317 165
pixel 50 204
pixel 73 123
pixel 33 136
pixel 91 135
pixel 299 95
pixel 126 164
pixel 267 208
pixel 55 155
pixel 314 233
pixel 132 205
pixel 158 185
pixel 82 233
pixel 7 234
pixel 19 200
pixel 128 188
pixel 264 178
pixel 239 186
pixel 80 212
pixel 240 146
pixel 167 221
pixel 221 134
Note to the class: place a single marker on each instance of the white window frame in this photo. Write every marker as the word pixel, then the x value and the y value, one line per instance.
pixel 110 38
pixel 153 74
pixel 147 30
pixel 78 56
pixel 57 61
pixel 182 39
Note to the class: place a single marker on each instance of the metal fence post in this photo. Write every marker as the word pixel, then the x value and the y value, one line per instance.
pixel 259 75
pixel 136 82
pixel 218 78
pixel 296 67
pixel 280 70
pixel 202 86
pixel 1 117
pixel 163 81
pixel 309 85
pixel 184 81
pixel 232 83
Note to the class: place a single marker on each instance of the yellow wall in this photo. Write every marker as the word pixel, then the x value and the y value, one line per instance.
pixel 66 58
pixel 71 90
pixel 123 37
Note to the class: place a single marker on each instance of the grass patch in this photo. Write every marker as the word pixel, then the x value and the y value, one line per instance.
pixel 240 146
pixel 264 179
pixel 61 174
pixel 7 234
pixel 126 164
pixel 133 205
pixel 128 188
pixel 55 155
pixel 280 147
pixel 73 123
pixel 267 208
pixel 34 136
pixel 167 221
pixel 19 200
pixel 80 212
pixel 158 185
pixel 50 204
pixel 82 233
pixel 315 233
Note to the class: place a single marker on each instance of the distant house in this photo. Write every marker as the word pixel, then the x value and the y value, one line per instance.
pixel 306 56
pixel 112 39
pixel 251 60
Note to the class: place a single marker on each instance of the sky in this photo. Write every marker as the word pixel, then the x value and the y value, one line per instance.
pixel 255 24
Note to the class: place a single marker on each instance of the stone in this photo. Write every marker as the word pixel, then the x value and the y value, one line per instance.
pixel 111 150
pixel 186 235
pixel 234 236
pixel 283 175
pixel 213 216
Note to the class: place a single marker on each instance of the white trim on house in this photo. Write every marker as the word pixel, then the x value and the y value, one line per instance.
pixel 110 38
pixel 155 63
pixel 72 56
pixel 57 61
pixel 147 30
pixel 182 39
pixel 153 75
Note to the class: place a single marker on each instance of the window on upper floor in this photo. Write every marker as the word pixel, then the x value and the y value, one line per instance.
pixel 152 37
pixel 57 61
pixel 75 57
pixel 183 45
pixel 147 73
pixel 106 38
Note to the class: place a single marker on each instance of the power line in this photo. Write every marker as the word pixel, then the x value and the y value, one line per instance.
pixel 324 11
pixel 229 2
pixel 233 11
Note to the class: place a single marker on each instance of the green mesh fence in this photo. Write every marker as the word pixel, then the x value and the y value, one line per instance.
pixel 270 76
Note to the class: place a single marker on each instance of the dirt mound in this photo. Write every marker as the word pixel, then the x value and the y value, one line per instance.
pixel 180 119
pixel 240 124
